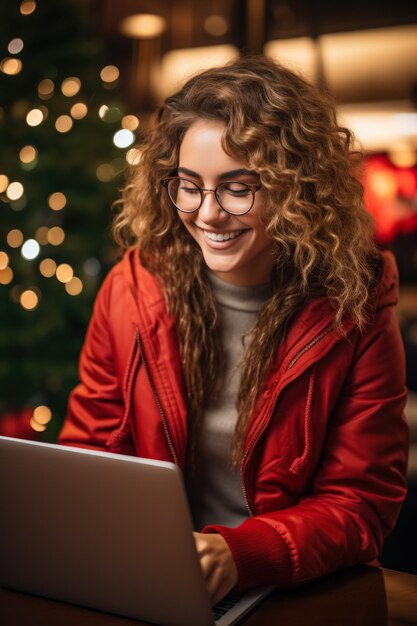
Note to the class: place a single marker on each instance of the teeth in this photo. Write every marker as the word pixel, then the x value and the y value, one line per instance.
pixel 222 236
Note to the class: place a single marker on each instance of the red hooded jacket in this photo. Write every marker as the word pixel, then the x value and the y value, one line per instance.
pixel 323 472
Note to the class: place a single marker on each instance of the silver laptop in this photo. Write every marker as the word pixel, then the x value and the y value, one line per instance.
pixel 104 531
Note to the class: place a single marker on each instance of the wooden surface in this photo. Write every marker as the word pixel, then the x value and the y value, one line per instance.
pixel 359 596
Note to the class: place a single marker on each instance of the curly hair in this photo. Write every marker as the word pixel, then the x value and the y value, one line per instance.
pixel 286 130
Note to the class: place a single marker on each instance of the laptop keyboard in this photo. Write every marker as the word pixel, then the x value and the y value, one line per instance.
pixel 228 602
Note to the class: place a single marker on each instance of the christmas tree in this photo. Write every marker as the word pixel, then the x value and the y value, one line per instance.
pixel 63 136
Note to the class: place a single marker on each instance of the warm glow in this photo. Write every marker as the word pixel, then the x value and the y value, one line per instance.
pixel 29 299
pixel 71 86
pixel 131 122
pixel 4 182
pixel 74 287
pixel 42 414
pixel 103 110
pixel 4 260
pixel 216 25
pixel 15 46
pixel 41 235
pixel 143 26
pixel 27 7
pixel 179 65
pixel 6 276
pixel 11 66
pixel 15 238
pixel 79 110
pixel 34 117
pixel 45 88
pixel 298 53
pixel 109 74
pixel 28 154
pixel 39 428
pixel 105 172
pixel 14 191
pixel 63 123
pixel 55 236
pixel 133 156
pixel 57 201
pixel 403 155
pixel 30 249
pixel 64 273
pixel 47 268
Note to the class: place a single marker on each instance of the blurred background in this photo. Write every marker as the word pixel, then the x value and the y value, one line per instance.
pixel 78 82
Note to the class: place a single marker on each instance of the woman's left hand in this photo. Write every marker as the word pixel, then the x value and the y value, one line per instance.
pixel 217 563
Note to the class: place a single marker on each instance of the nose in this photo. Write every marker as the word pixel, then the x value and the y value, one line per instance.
pixel 210 211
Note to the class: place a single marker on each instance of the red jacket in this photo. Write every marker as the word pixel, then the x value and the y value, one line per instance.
pixel 325 459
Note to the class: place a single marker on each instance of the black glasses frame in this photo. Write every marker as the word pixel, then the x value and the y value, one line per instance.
pixel 254 187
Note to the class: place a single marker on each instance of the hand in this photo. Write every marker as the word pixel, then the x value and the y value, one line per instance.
pixel 217 563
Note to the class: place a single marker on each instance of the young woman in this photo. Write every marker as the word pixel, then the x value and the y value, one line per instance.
pixel 249 333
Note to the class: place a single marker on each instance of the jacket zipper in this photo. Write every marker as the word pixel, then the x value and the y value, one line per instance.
pixel 253 442
pixel 158 402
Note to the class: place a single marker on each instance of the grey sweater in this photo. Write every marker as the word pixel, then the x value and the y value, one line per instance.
pixel 215 494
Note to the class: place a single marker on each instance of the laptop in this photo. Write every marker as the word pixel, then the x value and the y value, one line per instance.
pixel 105 531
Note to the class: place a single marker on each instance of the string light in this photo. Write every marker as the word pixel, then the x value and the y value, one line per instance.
pixel 57 201
pixel 63 123
pixel 28 154
pixel 15 238
pixel 41 235
pixel 4 182
pixel 79 110
pixel 15 46
pixel 109 74
pixel 30 249
pixel 131 122
pixel 11 66
pixel 27 7
pixel 6 276
pixel 42 415
pixel 123 138
pixel 64 273
pixel 29 299
pixel 46 89
pixel 74 287
pixel 55 236
pixel 14 191
pixel 4 260
pixel 47 268
pixel 34 117
pixel 71 86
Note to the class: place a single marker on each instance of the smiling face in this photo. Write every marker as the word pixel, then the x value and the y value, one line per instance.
pixel 235 248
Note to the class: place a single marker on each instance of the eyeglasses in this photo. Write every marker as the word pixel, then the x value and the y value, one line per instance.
pixel 233 197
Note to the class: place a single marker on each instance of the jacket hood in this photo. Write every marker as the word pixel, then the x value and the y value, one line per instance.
pixel 145 291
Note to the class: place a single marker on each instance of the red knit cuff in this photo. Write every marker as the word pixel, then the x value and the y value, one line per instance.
pixel 260 553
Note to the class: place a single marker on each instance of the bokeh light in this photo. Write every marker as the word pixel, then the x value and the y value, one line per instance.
pixel 143 26
pixel 15 46
pixel 71 86
pixel 74 287
pixel 27 7
pixel 29 299
pixel 4 260
pixel 28 154
pixel 42 414
pixel 55 236
pixel 133 156
pixel 57 201
pixel 109 74
pixel 131 122
pixel 4 182
pixel 105 172
pixel 15 191
pixel 92 266
pixel 216 25
pixel 30 249
pixel 11 66
pixel 64 272
pixel 47 268
pixel 41 235
pixel 63 123
pixel 123 138
pixel 6 276
pixel 46 89
pixel 34 117
pixel 15 238
pixel 79 110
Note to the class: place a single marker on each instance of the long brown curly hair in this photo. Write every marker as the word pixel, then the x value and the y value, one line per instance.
pixel 286 130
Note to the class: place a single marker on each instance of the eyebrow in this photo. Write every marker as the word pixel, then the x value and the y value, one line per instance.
pixel 231 174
